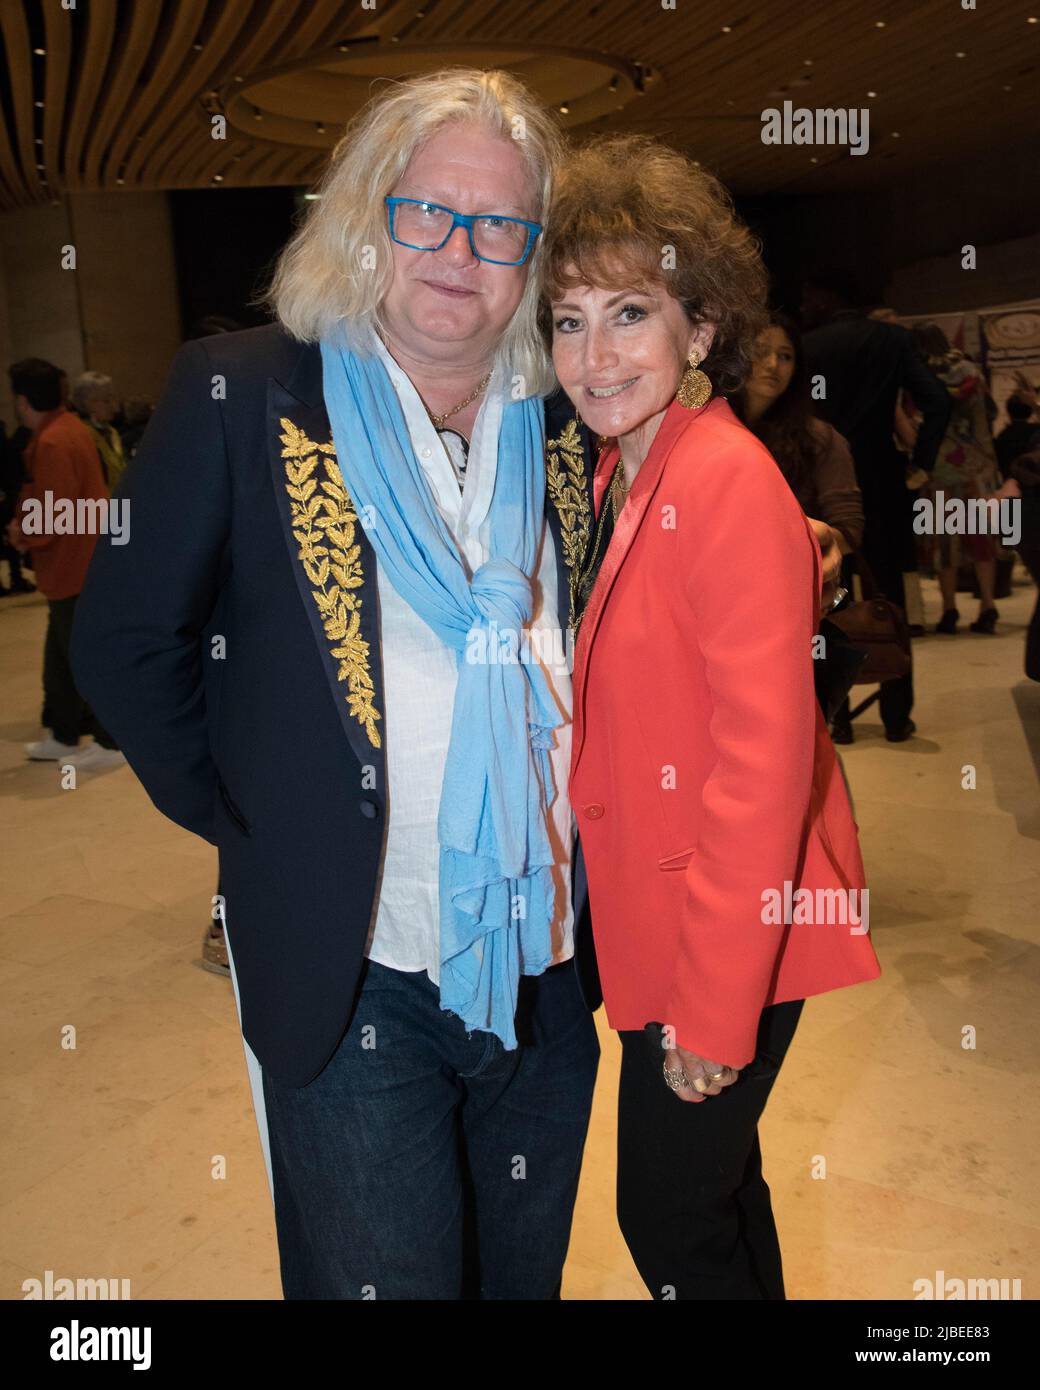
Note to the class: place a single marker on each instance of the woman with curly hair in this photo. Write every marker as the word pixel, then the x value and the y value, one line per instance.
pixel 715 825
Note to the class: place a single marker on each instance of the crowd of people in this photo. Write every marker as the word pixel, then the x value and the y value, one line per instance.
pixel 899 414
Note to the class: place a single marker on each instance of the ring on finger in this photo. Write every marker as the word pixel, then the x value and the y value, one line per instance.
pixel 676 1078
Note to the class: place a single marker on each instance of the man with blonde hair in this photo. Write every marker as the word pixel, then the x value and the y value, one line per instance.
pixel 316 653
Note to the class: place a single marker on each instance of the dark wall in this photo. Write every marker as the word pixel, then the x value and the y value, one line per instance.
pixel 930 214
pixel 225 245
pixel 226 240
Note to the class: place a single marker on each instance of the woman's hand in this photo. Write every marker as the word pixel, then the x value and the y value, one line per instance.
pixel 694 1078
pixel 1009 488
pixel 832 547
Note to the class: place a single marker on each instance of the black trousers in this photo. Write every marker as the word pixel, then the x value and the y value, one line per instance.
pixel 1029 550
pixel 65 712
pixel 692 1203
pixel 896 697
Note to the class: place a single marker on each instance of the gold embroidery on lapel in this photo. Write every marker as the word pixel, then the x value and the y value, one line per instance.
pixel 323 522
pixel 570 497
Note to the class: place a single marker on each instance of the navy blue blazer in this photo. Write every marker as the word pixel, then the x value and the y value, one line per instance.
pixel 232 649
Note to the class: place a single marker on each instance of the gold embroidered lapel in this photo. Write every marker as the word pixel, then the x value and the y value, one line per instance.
pixel 566 484
pixel 323 521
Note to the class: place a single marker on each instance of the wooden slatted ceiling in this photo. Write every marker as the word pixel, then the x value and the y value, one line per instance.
pixel 125 86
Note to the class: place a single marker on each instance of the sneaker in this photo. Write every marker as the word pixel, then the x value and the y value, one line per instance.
pixel 214 951
pixel 92 755
pixel 50 750
pixel 23 587
pixel 948 622
pixel 841 731
pixel 901 735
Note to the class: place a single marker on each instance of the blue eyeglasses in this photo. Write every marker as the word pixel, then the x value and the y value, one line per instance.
pixel 427 226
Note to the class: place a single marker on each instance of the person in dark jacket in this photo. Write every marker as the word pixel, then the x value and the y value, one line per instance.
pixel 280 649
pixel 859 366
pixel 1016 438
pixel 12 479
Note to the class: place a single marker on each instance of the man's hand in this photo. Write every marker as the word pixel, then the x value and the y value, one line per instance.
pixel 705 1078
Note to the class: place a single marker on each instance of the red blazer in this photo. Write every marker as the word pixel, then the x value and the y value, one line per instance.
pixel 703 777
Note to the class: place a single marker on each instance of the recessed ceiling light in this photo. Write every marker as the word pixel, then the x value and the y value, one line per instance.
pixel 40 52
pixel 727 28
pixel 807 62
pixel 879 24
pixel 895 135
pixel 960 54
pixel 564 109
pixel 872 94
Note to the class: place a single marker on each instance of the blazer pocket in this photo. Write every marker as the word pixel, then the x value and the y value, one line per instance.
pixel 679 860
pixel 233 812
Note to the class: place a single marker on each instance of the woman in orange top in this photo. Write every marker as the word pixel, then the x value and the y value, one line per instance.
pixel 724 871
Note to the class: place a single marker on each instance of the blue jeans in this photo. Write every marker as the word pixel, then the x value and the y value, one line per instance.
pixel 425 1163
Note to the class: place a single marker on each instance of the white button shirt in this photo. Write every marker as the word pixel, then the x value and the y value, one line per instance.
pixel 419 679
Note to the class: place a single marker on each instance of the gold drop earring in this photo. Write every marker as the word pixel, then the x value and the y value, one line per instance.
pixel 694 387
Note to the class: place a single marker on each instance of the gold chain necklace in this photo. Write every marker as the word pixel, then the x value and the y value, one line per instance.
pixel 619 491
pixel 439 420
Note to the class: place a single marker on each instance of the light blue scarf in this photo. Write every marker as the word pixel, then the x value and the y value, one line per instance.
pixel 497 895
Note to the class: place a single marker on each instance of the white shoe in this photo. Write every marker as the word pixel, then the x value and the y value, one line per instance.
pixel 49 750
pixel 93 755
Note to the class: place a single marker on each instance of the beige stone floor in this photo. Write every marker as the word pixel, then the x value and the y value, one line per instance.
pixel 930 1149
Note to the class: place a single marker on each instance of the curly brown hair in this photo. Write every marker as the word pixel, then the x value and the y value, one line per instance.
pixel 628 205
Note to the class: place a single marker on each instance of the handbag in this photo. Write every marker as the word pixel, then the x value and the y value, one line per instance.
pixel 877 627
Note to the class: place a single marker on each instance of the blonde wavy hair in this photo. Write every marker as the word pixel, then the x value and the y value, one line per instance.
pixel 320 287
